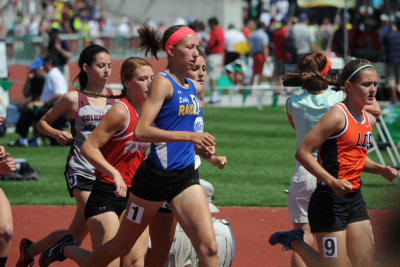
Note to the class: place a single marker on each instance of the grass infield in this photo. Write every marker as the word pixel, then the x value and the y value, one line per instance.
pixel 259 146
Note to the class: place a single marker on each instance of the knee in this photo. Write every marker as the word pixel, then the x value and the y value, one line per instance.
pixel 209 250
pixel 6 232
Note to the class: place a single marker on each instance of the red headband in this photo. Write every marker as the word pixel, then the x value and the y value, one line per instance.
pixel 326 68
pixel 177 36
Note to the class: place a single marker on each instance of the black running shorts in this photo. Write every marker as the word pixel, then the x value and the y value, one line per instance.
pixel 78 181
pixel 329 212
pixel 102 199
pixel 156 184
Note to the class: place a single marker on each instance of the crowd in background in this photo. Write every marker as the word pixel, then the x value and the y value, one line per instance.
pixel 372 32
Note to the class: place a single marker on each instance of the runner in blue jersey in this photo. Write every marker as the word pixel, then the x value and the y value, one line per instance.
pixel 167 121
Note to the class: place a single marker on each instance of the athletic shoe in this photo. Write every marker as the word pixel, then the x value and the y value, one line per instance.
pixel 19 142
pixel 285 238
pixel 35 141
pixel 56 251
pixel 25 259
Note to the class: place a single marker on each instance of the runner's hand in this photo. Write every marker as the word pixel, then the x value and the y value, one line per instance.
pixel 218 161
pixel 388 173
pixel 202 139
pixel 341 186
pixel 120 187
pixel 204 152
pixel 63 137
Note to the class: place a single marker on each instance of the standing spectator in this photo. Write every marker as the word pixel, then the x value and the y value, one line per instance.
pixel 338 40
pixel 3 27
pixel 54 87
pixel 384 27
pixel 123 29
pixel 215 51
pixel 370 36
pixel 19 28
pixel 303 37
pixel 391 42
pixel 266 17
pixel 282 9
pixel 232 37
pixel 259 50
pixel 59 50
pixel 325 30
pixel 200 28
pixel 108 28
pixel 33 27
pixel 248 28
pixel 280 55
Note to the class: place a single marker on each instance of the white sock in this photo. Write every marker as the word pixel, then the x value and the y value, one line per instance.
pixel 23 140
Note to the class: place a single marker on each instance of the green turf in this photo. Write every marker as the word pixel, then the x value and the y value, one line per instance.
pixel 259 146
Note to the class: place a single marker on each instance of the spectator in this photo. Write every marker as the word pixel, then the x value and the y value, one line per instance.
pixel 54 87
pixel 19 27
pixel 248 28
pixel 303 37
pixel 325 30
pixel 384 27
pixel 34 81
pixel 33 27
pixel 232 37
pixel 200 28
pixel 370 36
pixel 259 50
pixel 391 42
pixel 108 28
pixel 59 50
pixel 280 55
pixel 215 49
pixel 282 9
pixel 123 28
pixel 3 27
pixel 338 40
pixel 266 17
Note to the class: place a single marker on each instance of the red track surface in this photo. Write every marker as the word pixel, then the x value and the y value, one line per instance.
pixel 251 229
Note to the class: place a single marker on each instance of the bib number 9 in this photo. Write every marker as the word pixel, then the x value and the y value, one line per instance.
pixel 330 247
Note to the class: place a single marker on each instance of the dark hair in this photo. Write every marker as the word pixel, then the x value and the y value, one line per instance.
pixel 202 54
pixel 213 21
pixel 310 65
pixel 150 41
pixel 128 68
pixel 310 79
pixel 50 59
pixel 87 56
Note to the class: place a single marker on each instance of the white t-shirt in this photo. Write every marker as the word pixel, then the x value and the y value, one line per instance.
pixel 54 83
pixel 233 37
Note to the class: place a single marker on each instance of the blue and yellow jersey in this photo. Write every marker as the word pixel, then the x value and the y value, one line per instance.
pixel 176 114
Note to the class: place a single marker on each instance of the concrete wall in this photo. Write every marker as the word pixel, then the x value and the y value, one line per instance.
pixel 227 11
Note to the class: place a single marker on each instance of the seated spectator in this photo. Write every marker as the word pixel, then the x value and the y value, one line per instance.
pixel 54 87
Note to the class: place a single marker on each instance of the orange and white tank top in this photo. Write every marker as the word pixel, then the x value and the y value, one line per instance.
pixel 343 154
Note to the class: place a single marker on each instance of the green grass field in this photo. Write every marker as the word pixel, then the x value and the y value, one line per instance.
pixel 259 146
